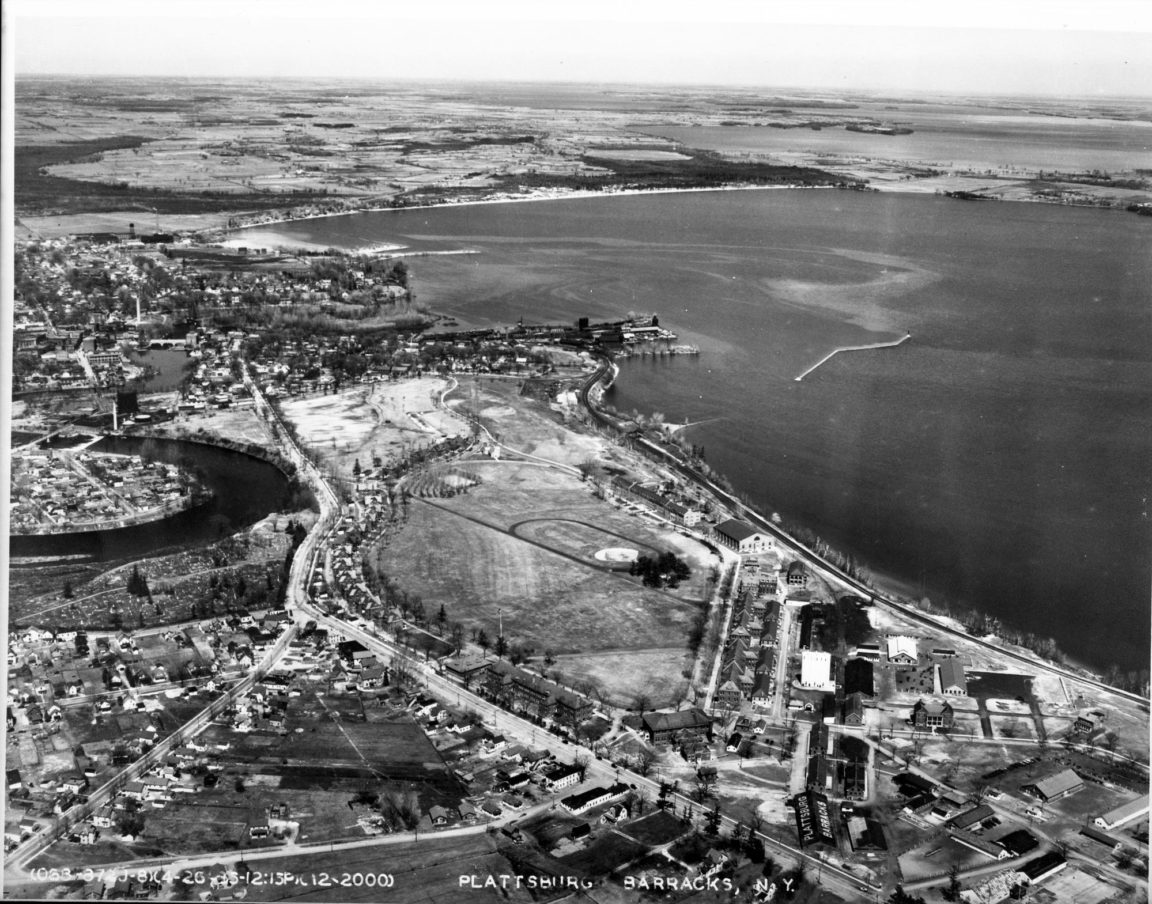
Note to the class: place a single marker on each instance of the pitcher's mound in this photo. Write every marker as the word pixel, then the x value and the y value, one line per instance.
pixel 618 554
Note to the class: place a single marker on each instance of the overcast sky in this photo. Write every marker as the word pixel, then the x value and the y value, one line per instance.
pixel 1009 46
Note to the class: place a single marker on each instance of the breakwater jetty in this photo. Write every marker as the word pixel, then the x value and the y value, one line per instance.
pixel 854 348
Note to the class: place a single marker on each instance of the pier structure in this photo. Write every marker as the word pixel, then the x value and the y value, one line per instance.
pixel 854 348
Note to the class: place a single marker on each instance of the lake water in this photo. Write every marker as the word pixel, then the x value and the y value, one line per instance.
pixel 245 490
pixel 975 140
pixel 1000 459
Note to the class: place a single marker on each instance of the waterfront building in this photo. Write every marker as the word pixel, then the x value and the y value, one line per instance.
pixel 742 537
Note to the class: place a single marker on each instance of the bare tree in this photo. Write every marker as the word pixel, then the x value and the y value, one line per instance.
pixel 705 784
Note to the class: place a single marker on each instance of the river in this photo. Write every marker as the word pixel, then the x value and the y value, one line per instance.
pixel 245 490
pixel 999 459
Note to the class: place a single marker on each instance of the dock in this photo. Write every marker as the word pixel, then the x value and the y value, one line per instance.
pixel 853 348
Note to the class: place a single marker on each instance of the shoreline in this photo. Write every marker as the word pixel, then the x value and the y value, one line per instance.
pixel 539 195
pixel 894 590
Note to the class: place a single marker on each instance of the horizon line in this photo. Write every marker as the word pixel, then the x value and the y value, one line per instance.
pixel 481 80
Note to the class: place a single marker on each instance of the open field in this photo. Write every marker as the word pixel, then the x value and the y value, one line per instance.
pixel 623 675
pixel 240 424
pixel 386 420
pixel 530 425
pixel 608 852
pixel 587 609
pixel 655 829
pixel 427 871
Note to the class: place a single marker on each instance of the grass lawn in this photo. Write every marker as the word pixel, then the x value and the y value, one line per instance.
pixel 547 600
pixel 936 856
pixel 608 852
pixel 621 676
pixel 655 829
pixel 528 425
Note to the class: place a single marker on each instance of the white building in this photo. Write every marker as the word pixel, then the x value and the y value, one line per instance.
pixel 816 670
pixel 902 649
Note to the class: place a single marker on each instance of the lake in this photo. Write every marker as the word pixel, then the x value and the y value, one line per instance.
pixel 977 140
pixel 1000 459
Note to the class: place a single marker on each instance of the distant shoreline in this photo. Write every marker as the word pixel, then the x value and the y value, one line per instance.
pixel 540 195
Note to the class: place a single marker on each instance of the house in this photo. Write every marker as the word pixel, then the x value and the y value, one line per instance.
pixel 1056 786
pixel 866 835
pixel 728 695
pixel 762 690
pixel 714 861
pixel 854 778
pixel 1089 722
pixel 1043 866
pixel 586 800
pixel 932 715
pixel 466 670
pixel 973 816
pixel 816 670
pixel 853 713
pixel 492 808
pixel 353 653
pixel 614 814
pixel 1123 814
pixel 663 727
pixel 952 680
pixel 742 537
pixel 910 784
pixel 976 843
pixel 796 576
pixel 439 815
pixel 734 742
pixel 562 777
pixel 902 650
pixel 689 517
